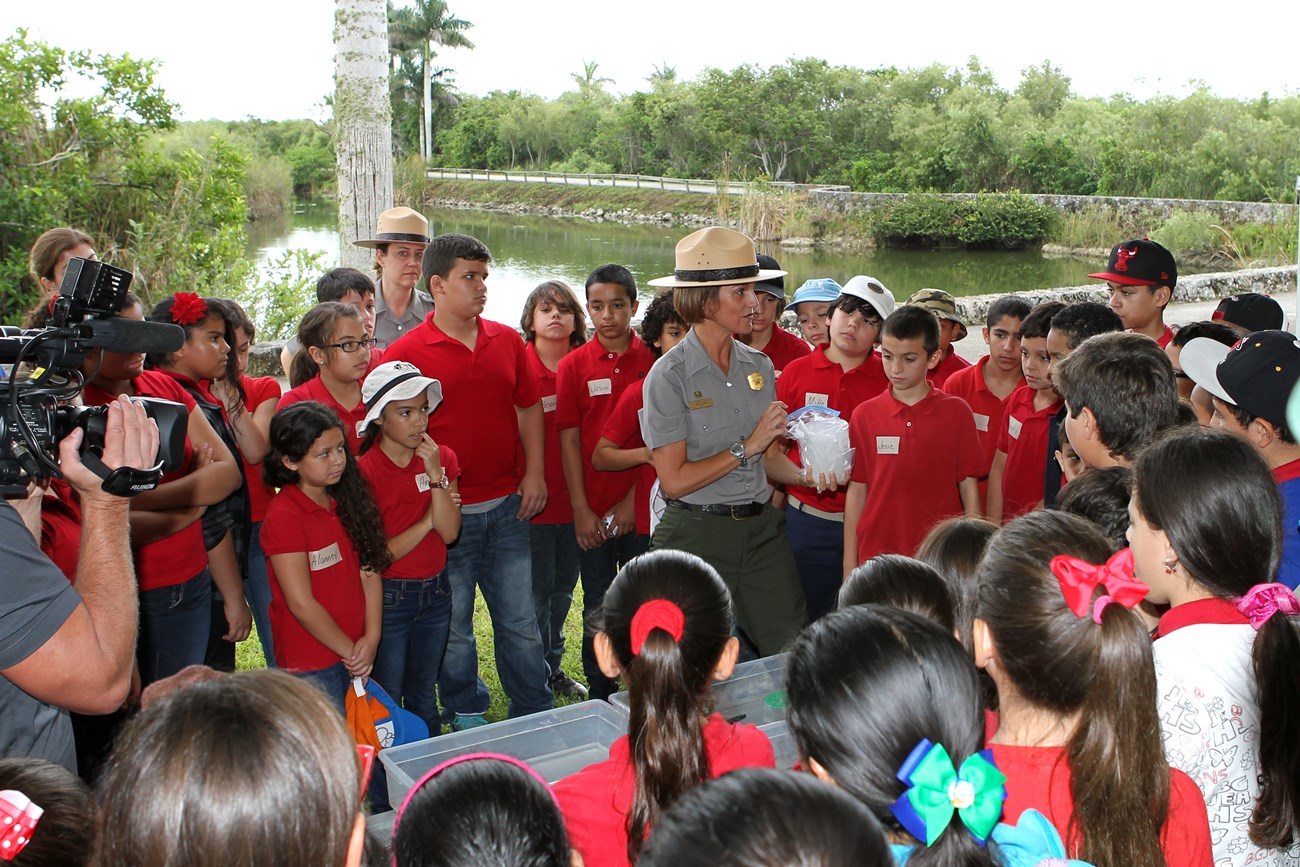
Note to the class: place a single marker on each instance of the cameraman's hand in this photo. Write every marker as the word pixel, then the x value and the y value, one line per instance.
pixel 130 440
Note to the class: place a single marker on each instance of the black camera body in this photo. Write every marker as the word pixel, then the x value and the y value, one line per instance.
pixel 35 413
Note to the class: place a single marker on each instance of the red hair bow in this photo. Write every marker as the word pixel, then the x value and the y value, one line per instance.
pixel 188 308
pixel 1080 579
pixel 656 614
pixel 18 819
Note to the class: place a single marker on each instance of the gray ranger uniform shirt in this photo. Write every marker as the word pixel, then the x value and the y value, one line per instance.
pixel 388 327
pixel 687 397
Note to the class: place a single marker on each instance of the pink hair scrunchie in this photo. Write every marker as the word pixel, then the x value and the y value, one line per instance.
pixel 656 614
pixel 1264 600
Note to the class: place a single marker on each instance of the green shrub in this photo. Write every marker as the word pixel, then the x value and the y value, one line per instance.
pixel 1191 234
pixel 277 298
pixel 1011 221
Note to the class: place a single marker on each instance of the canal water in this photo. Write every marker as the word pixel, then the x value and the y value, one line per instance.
pixel 527 250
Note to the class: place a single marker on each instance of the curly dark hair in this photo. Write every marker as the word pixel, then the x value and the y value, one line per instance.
pixel 658 314
pixel 293 430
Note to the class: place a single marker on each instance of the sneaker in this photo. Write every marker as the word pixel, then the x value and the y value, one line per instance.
pixel 563 685
pixel 463 721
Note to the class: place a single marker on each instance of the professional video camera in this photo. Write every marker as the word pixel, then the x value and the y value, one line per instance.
pixel 44 374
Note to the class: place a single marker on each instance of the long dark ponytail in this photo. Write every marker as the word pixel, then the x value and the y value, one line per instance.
pixel 668 679
pixel 1226 528
pixel 1102 672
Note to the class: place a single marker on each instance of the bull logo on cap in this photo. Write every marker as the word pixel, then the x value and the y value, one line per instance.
pixel 1122 256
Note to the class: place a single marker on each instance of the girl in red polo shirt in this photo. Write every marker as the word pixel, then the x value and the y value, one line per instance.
pixel 201 359
pixel 171 560
pixel 667 631
pixel 250 403
pixel 1078 736
pixel 1226 651
pixel 325 545
pixel 334 359
pixel 413 480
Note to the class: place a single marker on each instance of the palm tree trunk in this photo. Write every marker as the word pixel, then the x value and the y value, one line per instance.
pixel 426 105
pixel 363 122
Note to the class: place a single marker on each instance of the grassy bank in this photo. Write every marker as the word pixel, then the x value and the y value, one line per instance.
pixel 994 221
pixel 248 654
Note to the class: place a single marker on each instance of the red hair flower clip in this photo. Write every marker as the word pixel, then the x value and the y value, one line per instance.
pixel 656 614
pixel 188 308
pixel 18 819
pixel 1080 579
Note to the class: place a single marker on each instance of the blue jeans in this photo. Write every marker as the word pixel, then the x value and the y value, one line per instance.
pixel 818 548
pixel 333 680
pixel 555 574
pixel 258 590
pixel 174 627
pixel 493 553
pixel 599 566
pixel 417 617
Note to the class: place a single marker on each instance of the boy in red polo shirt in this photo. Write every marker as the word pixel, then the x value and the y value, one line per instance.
pixel 1141 275
pixel 589 382
pixel 840 375
pixel 1016 477
pixel 951 330
pixel 768 337
pixel 490 407
pixel 917 453
pixel 987 385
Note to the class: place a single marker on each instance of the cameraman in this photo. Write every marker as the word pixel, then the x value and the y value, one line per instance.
pixel 66 647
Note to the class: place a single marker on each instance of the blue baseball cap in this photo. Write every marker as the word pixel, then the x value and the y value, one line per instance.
pixel 824 290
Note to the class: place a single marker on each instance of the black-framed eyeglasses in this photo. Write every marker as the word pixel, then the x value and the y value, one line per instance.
pixel 354 345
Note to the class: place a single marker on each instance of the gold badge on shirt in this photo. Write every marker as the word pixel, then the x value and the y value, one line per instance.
pixel 755 381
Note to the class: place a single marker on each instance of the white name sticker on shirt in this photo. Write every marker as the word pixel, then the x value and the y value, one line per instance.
pixel 596 387
pixel 325 557
pixel 422 482
pixel 887 445
pixel 1013 427
pixel 548 403
pixel 813 399
pixel 981 422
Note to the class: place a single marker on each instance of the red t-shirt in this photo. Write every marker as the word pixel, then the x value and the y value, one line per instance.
pixel 990 411
pixel 295 524
pixel 1023 438
pixel 783 348
pixel 559 510
pixel 258 390
pixel 596 800
pixel 61 527
pixel 1039 778
pixel 589 382
pixel 623 429
pixel 481 390
pixel 946 368
pixel 403 496
pixel 815 380
pixel 1164 339
pixel 180 556
pixel 314 389
pixel 911 458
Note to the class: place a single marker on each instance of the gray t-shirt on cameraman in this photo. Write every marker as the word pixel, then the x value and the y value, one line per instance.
pixel 35 601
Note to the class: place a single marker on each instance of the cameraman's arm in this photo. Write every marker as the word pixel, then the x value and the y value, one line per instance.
pixel 205 486
pixel 85 666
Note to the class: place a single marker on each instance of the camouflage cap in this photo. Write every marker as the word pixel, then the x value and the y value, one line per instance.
pixel 943 305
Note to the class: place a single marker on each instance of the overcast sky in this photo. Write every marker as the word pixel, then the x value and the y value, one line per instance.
pixel 274 59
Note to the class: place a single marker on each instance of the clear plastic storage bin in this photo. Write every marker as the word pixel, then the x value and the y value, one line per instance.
pixel 556 743
pixel 754 694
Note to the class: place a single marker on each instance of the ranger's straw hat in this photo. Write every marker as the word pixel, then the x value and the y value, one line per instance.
pixel 716 257
pixel 398 226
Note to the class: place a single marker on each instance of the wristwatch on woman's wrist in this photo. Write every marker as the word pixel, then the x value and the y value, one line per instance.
pixel 738 452
pixel 444 483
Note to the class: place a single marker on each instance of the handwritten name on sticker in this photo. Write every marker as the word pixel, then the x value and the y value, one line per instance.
pixel 325 557
pixel 887 445
pixel 548 403
pixel 597 387
pixel 814 399
pixel 1013 427
pixel 422 482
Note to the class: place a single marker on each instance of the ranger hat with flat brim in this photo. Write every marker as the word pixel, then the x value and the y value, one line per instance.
pixel 716 257
pixel 398 226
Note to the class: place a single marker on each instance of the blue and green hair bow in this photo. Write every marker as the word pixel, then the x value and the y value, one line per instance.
pixel 937 789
